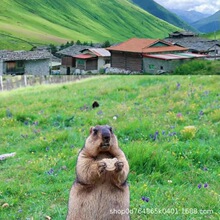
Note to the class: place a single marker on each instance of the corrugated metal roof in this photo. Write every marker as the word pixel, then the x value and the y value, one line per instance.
pixel 100 52
pixel 174 56
pixel 144 45
pixel 132 45
pixel 84 56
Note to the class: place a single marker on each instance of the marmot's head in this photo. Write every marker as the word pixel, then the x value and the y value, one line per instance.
pixel 101 138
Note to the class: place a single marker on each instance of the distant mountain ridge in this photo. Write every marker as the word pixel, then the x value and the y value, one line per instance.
pixel 163 13
pixel 209 24
pixel 58 21
pixel 190 16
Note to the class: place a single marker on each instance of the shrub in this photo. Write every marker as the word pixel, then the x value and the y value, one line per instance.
pixel 197 67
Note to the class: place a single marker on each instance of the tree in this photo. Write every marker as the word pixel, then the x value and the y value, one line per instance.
pixel 52 48
pixel 106 44
pixel 78 42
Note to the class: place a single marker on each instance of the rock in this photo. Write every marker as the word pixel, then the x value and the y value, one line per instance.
pixel 5 205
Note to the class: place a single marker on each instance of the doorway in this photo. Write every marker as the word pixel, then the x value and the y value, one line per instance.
pixel 68 71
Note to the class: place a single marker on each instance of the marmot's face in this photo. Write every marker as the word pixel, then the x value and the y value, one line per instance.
pixel 102 137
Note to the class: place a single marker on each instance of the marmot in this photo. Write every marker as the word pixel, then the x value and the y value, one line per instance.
pixel 100 191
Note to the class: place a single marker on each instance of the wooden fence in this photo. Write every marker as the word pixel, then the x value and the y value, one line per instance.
pixel 14 82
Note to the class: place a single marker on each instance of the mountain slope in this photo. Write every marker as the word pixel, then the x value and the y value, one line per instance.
pixel 56 21
pixel 162 13
pixel 209 24
pixel 189 16
pixel 213 35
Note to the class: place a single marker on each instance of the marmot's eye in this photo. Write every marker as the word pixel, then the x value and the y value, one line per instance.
pixel 95 131
pixel 110 129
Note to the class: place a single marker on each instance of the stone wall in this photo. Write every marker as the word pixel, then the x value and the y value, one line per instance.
pixel 37 67
pixel 157 66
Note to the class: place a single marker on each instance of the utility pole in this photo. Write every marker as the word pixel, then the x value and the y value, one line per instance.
pixel 215 44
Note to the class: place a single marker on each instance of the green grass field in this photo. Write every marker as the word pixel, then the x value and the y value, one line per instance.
pixel 174 166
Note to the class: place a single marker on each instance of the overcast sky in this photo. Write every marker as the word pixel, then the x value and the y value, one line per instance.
pixel 204 6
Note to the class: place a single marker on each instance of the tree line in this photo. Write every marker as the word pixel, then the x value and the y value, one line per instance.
pixel 53 48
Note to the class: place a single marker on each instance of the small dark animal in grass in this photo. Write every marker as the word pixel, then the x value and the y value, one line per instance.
pixel 100 191
pixel 95 104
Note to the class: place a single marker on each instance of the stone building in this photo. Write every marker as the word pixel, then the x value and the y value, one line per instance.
pixel 25 62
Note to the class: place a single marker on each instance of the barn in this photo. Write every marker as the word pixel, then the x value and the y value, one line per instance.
pixel 129 54
pixel 79 59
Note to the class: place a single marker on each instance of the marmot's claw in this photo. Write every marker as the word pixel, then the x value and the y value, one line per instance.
pixel 101 167
pixel 119 165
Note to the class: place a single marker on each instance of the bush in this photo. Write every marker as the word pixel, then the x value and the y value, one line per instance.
pixel 197 67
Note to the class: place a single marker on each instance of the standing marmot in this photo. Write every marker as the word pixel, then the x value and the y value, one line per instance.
pixel 100 191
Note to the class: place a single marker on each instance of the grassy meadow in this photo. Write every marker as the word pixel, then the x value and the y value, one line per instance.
pixel 168 127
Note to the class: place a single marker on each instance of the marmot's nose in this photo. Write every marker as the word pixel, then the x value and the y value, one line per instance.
pixel 106 136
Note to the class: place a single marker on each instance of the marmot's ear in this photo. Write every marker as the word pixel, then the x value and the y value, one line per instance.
pixel 110 128
pixel 91 129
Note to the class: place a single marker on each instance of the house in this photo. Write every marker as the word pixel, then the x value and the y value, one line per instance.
pixel 92 59
pixel 180 34
pixel 24 62
pixel 55 64
pixel 198 45
pixel 131 54
pixel 81 59
pixel 161 63
pixel 68 60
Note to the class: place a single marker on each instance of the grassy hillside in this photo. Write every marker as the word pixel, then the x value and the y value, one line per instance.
pixel 213 35
pixel 174 166
pixel 56 21
pixel 209 24
pixel 162 13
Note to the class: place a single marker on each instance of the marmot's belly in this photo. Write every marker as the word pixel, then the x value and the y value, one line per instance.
pixel 104 202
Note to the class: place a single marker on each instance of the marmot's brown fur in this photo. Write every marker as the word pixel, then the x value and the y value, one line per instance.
pixel 99 194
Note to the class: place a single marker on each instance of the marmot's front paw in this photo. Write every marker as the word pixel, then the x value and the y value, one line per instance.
pixel 101 166
pixel 119 166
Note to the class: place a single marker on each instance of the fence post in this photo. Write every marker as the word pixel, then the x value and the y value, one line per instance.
pixel 25 80
pixel 1 83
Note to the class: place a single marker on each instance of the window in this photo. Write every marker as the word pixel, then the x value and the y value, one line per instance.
pixel 20 64
pixel 151 66
pixel 81 62
pixel 107 61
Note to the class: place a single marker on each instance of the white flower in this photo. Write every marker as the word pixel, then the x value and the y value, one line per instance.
pixel 115 117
